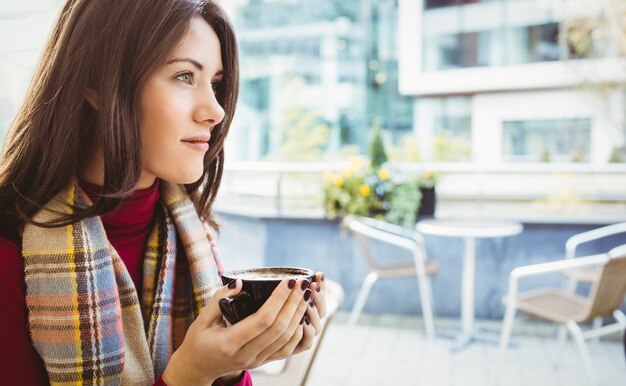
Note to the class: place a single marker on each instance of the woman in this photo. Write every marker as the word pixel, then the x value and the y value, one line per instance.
pixel 109 273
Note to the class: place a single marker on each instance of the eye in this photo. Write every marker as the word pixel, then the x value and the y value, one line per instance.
pixel 215 85
pixel 185 77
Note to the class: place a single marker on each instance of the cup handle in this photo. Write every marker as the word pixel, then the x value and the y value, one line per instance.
pixel 237 307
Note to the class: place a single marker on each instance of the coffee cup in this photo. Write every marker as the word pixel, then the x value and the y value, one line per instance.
pixel 258 285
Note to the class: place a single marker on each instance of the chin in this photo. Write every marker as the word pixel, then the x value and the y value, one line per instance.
pixel 186 177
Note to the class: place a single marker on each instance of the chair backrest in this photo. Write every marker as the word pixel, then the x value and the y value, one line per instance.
pixel 364 228
pixel 607 292
pixel 573 242
pixel 297 367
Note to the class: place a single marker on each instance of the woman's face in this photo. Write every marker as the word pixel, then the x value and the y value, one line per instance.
pixel 179 108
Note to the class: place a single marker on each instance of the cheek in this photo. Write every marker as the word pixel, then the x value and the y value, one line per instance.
pixel 160 123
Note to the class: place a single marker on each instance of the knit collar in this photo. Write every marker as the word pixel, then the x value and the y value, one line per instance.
pixel 136 212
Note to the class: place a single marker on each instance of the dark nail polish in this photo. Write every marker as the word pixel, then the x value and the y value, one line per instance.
pixel 302 320
pixel 307 320
pixel 305 284
pixel 291 283
pixel 232 283
pixel 312 304
pixel 307 295
pixel 319 288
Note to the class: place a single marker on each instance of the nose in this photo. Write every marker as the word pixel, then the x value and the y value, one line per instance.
pixel 208 110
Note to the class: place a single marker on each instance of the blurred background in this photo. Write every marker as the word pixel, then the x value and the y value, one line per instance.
pixel 518 105
pixel 510 109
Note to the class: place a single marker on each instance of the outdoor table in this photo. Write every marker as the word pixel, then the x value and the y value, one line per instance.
pixel 469 230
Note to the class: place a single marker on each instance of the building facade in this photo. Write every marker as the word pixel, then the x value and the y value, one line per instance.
pixel 498 81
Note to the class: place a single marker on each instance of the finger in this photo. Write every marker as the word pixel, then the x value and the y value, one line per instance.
pixel 308 337
pixel 319 299
pixel 291 345
pixel 283 341
pixel 292 309
pixel 211 314
pixel 256 324
pixel 321 279
pixel 314 317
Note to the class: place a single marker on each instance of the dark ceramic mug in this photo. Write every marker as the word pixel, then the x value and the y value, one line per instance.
pixel 258 285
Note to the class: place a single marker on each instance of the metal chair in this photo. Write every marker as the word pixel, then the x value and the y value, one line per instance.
pixel 419 267
pixel 569 309
pixel 571 245
pixel 294 370
pixel 586 275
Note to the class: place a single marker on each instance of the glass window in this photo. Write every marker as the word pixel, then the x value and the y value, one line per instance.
pixel 528 44
pixel 536 43
pixel 452 129
pixel 560 140
pixel 430 4
pixel 326 68
pixel 452 51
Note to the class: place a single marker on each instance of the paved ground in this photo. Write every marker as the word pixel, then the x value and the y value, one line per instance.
pixel 392 350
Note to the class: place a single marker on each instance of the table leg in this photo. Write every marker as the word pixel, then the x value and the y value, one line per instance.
pixel 469 268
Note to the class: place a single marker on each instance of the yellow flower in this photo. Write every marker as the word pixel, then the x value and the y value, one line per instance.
pixel 383 174
pixel 338 181
pixel 348 172
pixel 364 190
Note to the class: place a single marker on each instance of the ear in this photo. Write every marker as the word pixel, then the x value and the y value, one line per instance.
pixel 92 97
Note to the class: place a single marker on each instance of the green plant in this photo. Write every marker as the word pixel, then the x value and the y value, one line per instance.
pixel 428 180
pixel 404 203
pixel 545 155
pixel 364 191
pixel 617 155
pixel 378 155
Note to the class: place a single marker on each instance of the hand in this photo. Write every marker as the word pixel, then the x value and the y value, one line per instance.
pixel 316 311
pixel 211 349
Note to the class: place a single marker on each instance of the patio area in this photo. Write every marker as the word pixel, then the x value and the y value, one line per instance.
pixel 392 350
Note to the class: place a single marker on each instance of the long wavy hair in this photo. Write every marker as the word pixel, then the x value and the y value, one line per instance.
pixel 111 47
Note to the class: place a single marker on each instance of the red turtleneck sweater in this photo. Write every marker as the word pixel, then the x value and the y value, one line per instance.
pixel 127 229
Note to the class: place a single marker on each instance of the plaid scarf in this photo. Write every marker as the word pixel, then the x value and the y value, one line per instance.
pixel 85 316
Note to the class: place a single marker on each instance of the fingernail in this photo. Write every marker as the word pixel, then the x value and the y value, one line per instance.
pixel 291 283
pixel 302 320
pixel 318 289
pixel 232 283
pixel 307 295
pixel 312 304
pixel 306 319
pixel 305 284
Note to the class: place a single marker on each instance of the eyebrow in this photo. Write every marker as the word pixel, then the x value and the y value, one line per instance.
pixel 186 60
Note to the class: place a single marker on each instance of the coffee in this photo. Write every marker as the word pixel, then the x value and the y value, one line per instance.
pixel 275 273
pixel 258 285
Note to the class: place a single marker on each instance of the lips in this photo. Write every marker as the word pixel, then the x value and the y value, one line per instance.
pixel 199 142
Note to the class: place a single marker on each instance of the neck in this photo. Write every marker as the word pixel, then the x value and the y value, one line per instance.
pixel 94 173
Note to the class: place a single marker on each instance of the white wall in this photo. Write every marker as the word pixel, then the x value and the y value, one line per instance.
pixel 490 110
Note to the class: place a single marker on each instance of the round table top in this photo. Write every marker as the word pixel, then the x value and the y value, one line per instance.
pixel 467 227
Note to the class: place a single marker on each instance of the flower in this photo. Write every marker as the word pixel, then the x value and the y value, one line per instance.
pixel 383 174
pixel 378 193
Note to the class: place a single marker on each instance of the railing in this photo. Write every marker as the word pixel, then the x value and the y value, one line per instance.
pixel 539 192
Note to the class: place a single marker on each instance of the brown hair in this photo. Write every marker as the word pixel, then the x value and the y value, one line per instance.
pixel 112 48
